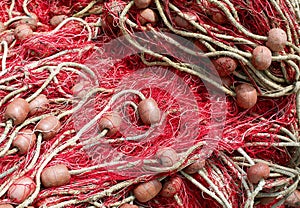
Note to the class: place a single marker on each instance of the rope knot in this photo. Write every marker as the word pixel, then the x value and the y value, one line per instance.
pixel 296 87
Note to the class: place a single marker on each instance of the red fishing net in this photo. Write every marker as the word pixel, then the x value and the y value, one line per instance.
pixel 144 111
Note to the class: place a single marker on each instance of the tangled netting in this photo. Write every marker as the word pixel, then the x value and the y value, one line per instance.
pixel 149 103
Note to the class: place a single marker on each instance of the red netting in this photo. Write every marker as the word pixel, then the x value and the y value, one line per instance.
pixel 158 61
